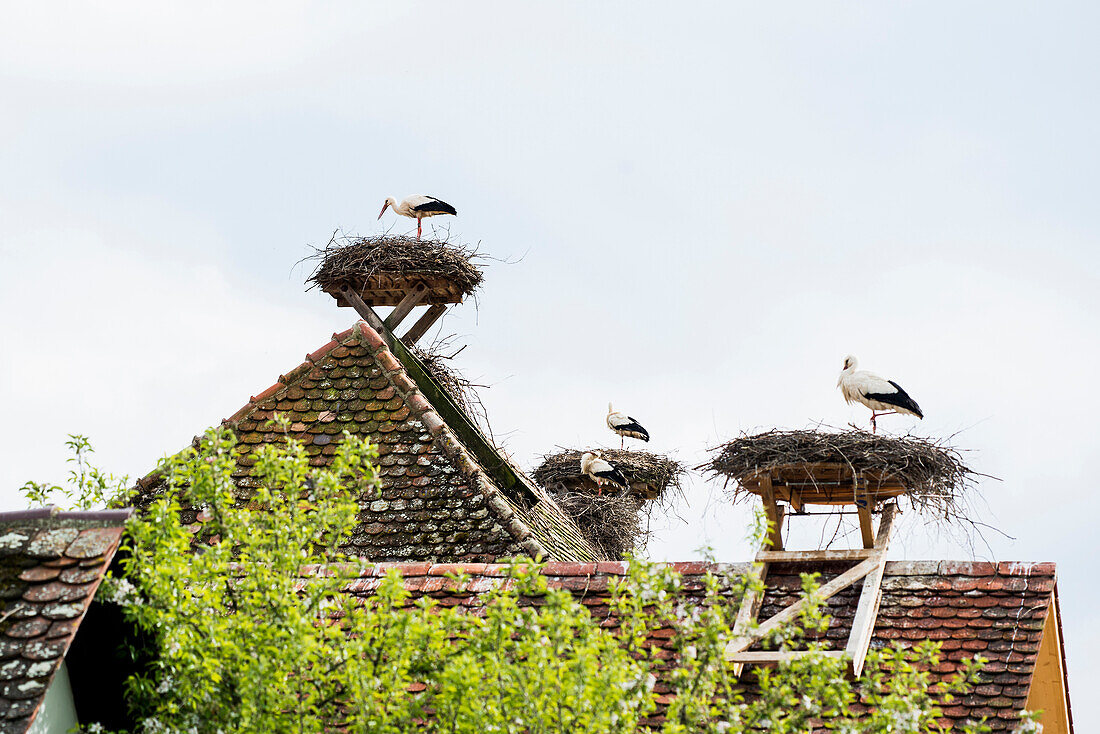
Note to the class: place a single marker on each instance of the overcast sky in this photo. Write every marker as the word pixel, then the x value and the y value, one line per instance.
pixel 706 206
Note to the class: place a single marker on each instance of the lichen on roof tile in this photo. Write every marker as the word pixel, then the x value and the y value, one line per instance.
pixel 438 500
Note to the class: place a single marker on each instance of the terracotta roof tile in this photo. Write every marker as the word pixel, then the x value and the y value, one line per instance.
pixel 916 604
pixel 50 567
pixel 437 501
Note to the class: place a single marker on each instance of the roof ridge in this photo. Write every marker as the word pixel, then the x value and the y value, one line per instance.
pixel 55 512
pixel 444 437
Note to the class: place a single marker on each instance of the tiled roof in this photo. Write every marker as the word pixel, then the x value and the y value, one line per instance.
pixel 447 494
pixel 995 610
pixel 51 564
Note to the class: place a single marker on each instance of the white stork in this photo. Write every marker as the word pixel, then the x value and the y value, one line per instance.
pixel 625 426
pixel 417 207
pixel 592 465
pixel 877 393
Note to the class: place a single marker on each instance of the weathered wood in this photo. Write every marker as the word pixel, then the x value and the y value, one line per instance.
pixel 826 591
pixel 750 606
pixel 420 328
pixel 365 311
pixel 855 554
pixel 382 290
pixel 863 623
pixel 408 303
pixel 773 513
pixel 771 657
pixel 866 526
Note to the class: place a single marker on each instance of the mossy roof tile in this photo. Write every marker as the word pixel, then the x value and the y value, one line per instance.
pixel 54 576
pixel 375 388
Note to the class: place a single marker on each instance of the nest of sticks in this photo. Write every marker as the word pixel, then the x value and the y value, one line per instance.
pixel 932 471
pixel 351 261
pixel 612 520
pixel 461 390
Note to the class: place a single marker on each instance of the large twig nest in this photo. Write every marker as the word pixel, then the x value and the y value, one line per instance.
pixel 834 467
pixel 611 520
pixel 394 262
pixel 651 476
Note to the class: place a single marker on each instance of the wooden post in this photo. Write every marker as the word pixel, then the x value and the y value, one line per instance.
pixel 420 328
pixel 408 303
pixel 863 623
pixel 773 513
pixel 364 310
pixel 866 526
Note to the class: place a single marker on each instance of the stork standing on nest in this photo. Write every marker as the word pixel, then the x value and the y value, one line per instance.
pixel 625 426
pixel 882 396
pixel 417 207
pixel 600 471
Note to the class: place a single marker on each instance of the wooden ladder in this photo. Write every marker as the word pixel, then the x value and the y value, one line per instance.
pixel 870 562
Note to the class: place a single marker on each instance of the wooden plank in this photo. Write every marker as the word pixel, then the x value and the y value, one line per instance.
pixel 826 591
pixel 855 554
pixel 866 528
pixel 863 623
pixel 772 657
pixel 771 509
pixel 750 605
pixel 365 311
pixel 408 303
pixel 420 328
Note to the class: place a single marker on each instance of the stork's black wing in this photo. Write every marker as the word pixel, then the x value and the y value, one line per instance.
pixel 435 206
pixel 899 399
pixel 615 476
pixel 634 426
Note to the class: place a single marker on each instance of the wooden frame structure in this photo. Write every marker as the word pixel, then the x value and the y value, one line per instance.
pixel 869 561
pixel 418 293
pixel 389 289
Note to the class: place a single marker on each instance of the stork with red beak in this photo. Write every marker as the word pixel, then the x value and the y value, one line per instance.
pixel 417 207
pixel 882 396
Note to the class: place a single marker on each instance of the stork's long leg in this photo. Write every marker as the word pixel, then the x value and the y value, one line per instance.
pixel 419 224
pixel 874 427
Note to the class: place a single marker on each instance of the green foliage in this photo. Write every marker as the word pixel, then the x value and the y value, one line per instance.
pixel 88 486
pixel 253 629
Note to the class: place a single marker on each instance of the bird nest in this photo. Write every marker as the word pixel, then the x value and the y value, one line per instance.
pixel 611 520
pixel 383 268
pixel 651 476
pixel 839 467
pixel 460 389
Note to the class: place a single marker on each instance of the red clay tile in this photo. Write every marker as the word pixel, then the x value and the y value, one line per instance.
pixel 93 543
pixel 38 574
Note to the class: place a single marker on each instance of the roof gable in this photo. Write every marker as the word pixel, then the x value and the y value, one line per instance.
pixel 51 564
pixel 447 494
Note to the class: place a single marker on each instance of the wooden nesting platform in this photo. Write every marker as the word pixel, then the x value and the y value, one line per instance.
pixel 389 289
pixel 824 484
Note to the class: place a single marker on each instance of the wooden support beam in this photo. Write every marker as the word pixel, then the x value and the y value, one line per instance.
pixel 420 328
pixel 750 606
pixel 863 623
pixel 408 303
pixel 866 525
pixel 364 310
pixel 771 657
pixel 866 528
pixel 826 591
pixel 773 513
pixel 855 554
